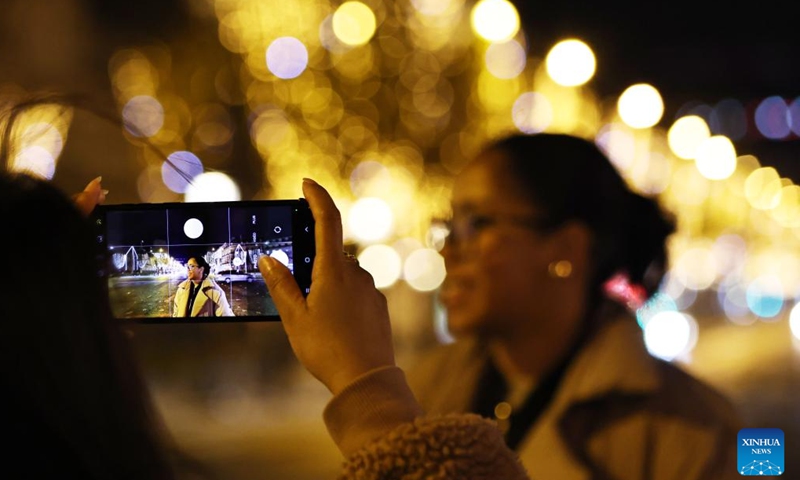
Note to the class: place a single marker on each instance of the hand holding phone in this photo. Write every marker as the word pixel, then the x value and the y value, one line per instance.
pixel 198 262
pixel 341 330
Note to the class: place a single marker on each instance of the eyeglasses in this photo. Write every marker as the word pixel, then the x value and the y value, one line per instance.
pixel 189 265
pixel 466 228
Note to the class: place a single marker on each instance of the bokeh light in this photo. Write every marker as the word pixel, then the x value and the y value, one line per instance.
pixel 772 118
pixel 762 188
pixel 716 158
pixel 212 187
pixel 424 270
pixel 670 334
pixel 794 116
pixel 495 20
pixel 287 57
pixel 696 267
pixel 193 228
pixel 184 168
pixel 505 60
pixel 640 106
pixel 686 134
pixel 532 112
pixel 729 118
pixel 353 23
pixel 794 321
pixel 765 296
pixel 570 63
pixel 370 219
pixel 143 116
pixel 35 161
pixel 383 263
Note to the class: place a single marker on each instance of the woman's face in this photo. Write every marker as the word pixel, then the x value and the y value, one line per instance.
pixel 194 271
pixel 497 259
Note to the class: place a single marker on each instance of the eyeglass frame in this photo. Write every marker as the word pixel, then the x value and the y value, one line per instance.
pixel 454 232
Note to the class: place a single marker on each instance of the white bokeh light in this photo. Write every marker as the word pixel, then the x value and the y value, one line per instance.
pixel 670 334
pixel 383 263
pixel 570 63
pixel 370 219
pixel 193 228
pixel 287 57
pixel 495 20
pixel 424 270
pixel 640 106
pixel 36 161
pixel 143 116
pixel 794 321
pixel 716 158
pixel 686 134
pixel 212 187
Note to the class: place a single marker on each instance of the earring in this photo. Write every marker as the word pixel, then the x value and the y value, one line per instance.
pixel 560 269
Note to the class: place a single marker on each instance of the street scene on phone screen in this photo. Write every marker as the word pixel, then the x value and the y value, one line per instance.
pixel 149 253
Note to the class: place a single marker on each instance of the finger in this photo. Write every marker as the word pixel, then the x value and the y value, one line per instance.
pixel 282 286
pixel 328 224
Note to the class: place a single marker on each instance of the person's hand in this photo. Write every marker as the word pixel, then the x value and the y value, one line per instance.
pixel 341 330
pixel 91 196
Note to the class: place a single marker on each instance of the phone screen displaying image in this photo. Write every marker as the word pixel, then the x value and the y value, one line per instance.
pixel 199 261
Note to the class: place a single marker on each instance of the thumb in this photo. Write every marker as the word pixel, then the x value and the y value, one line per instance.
pixel 282 286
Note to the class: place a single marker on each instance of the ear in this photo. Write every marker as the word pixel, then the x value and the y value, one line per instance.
pixel 572 241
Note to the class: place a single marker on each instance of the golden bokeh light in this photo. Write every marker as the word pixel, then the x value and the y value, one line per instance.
pixel 353 23
pixel 640 106
pixel 763 188
pixel 495 20
pixel 686 134
pixel 383 263
pixel 716 158
pixel 424 270
pixel 370 219
pixel 505 60
pixel 570 63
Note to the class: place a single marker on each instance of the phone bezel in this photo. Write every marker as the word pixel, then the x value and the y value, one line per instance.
pixel 302 244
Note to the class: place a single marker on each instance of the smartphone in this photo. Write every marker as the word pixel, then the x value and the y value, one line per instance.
pixel 198 262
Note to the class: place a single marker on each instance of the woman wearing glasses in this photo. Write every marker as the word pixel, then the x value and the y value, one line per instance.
pixel 547 253
pixel 198 295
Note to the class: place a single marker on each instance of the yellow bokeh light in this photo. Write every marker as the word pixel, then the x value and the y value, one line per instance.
pixel 696 267
pixel 354 23
pixel 370 219
pixel 571 63
pixel 213 187
pixel 495 20
pixel 787 212
pixel 424 270
pixel 505 60
pixel 686 134
pixel 383 263
pixel 532 112
pixel 716 158
pixel 762 189
pixel 640 106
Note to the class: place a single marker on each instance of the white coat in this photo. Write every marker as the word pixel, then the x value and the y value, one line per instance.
pixel 210 301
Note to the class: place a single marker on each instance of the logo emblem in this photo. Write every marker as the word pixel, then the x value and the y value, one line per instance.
pixel 760 451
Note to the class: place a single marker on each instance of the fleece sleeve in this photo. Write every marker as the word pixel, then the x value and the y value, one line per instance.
pixel 383 434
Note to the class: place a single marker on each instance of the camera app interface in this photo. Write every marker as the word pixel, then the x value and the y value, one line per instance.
pixel 195 262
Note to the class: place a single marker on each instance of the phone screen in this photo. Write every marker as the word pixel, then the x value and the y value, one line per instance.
pixel 189 262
